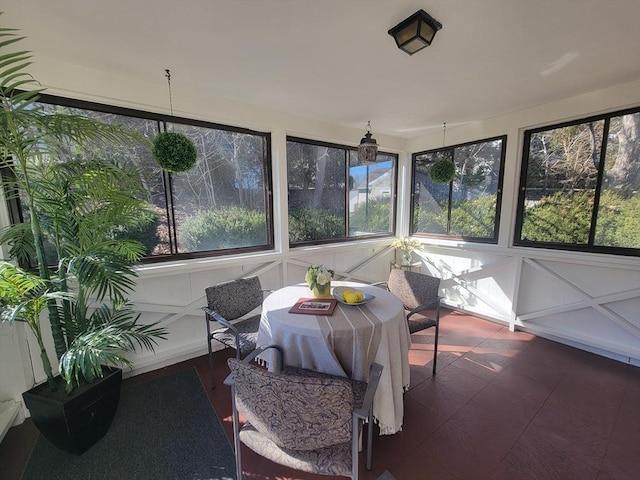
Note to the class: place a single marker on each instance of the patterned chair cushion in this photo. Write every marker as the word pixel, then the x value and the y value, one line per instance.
pixel 358 388
pixel 248 335
pixel 419 322
pixel 331 460
pixel 294 412
pixel 235 298
pixel 413 288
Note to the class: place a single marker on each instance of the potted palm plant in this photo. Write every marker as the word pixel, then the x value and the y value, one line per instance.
pixel 75 267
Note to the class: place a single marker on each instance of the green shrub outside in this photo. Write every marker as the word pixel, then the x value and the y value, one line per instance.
pixel 430 217
pixel 566 218
pixel 469 218
pixel 308 224
pixel 220 228
pixel 474 218
pixel 618 221
pixel 374 218
pixel 559 218
pixel 146 232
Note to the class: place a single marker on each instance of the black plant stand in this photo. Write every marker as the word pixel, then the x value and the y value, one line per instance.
pixel 77 421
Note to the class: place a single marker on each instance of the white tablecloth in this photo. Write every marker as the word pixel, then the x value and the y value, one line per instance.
pixel 346 343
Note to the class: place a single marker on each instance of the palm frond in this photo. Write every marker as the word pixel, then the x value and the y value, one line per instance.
pixel 20 240
pixel 112 330
pixel 76 204
pixel 12 64
pixel 102 274
pixel 89 352
pixel 17 283
pixel 23 295
pixel 125 320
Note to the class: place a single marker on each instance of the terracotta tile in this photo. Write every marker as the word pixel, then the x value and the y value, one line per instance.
pixel 595 407
pixel 541 372
pixel 483 364
pixel 461 381
pixel 420 423
pixel 502 406
pixel 473 441
pixel 436 398
pixel 510 407
pixel 622 463
pixel 429 466
pixel 556 446
pixel 523 387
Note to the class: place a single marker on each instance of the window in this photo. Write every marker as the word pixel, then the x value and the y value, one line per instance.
pixel 580 185
pixel 332 197
pixel 222 205
pixel 468 207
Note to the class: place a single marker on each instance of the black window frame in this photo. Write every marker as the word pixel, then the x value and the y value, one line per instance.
pixel 347 149
pixel 451 148
pixel 15 209
pixel 590 247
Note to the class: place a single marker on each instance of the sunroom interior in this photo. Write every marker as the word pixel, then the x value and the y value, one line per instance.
pixel 315 73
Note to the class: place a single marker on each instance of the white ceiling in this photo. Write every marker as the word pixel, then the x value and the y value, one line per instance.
pixel 333 60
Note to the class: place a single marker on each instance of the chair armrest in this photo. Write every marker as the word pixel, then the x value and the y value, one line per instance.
pixel 224 322
pixel 384 285
pixel 372 386
pixel 435 302
pixel 259 350
pixel 219 318
pixel 229 380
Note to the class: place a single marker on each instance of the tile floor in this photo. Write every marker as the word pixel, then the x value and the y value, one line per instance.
pixel 503 406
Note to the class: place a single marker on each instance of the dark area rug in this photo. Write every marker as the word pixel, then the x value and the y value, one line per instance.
pixel 165 428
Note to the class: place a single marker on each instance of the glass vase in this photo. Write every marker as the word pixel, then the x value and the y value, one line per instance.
pixel 322 291
pixel 407 259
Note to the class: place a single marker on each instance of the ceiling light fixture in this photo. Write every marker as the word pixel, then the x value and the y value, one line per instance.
pixel 368 148
pixel 416 32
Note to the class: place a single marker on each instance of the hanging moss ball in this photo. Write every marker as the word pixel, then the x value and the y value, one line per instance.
pixel 443 171
pixel 174 152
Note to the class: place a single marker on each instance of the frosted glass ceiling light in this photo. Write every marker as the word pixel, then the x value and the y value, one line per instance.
pixel 416 32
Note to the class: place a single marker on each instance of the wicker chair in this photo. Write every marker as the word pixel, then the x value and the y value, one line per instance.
pixel 230 301
pixel 301 419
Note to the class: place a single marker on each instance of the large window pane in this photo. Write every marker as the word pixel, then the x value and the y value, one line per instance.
pixel 580 184
pixel 618 220
pixel 332 197
pixel 148 230
pixel 371 196
pixel 221 203
pixel 468 206
pixel 316 178
pixel 560 184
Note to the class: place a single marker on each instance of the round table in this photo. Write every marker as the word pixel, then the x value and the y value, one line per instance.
pixel 345 343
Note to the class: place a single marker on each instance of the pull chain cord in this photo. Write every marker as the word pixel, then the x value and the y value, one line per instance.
pixel 168 75
pixel 444 132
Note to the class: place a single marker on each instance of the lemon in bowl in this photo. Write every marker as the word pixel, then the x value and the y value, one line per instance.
pixel 352 296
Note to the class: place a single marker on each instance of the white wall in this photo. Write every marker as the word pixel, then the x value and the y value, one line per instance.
pixel 554 294
pixel 587 300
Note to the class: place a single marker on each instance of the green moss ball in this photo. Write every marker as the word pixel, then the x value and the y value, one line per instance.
pixel 174 152
pixel 443 171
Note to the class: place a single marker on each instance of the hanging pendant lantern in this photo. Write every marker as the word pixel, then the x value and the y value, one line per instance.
pixel 368 148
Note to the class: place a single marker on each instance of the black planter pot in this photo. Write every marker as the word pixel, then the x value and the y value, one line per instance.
pixel 76 421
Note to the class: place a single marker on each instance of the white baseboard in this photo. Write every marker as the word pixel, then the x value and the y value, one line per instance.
pixel 10 415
